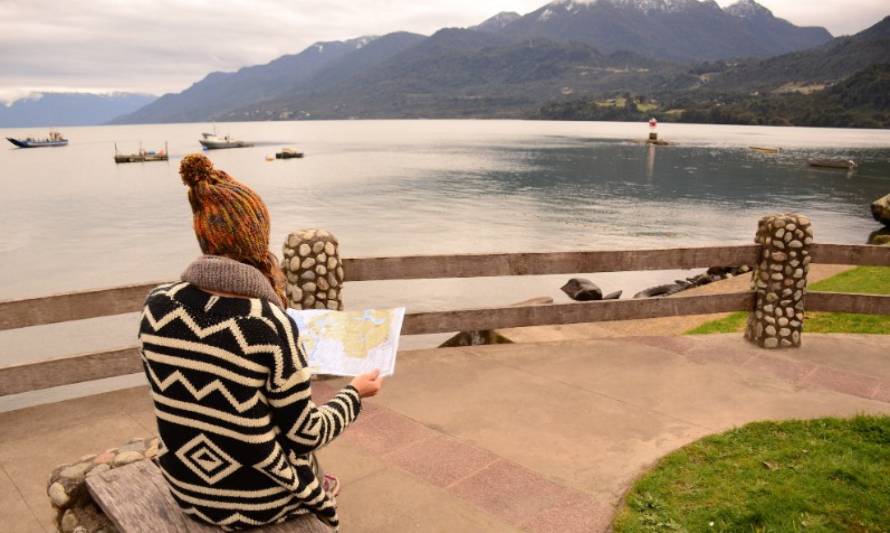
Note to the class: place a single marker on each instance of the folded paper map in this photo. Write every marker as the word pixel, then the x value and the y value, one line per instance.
pixel 349 343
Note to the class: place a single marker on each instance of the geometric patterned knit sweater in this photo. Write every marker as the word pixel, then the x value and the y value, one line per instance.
pixel 235 417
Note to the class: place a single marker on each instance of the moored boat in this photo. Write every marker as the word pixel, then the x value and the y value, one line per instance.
pixel 55 139
pixel 288 153
pixel 844 164
pixel 212 141
pixel 141 156
pixel 765 149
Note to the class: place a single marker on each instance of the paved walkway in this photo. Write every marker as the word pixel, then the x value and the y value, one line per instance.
pixel 534 437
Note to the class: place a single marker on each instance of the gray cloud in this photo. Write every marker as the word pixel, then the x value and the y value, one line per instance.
pixel 165 45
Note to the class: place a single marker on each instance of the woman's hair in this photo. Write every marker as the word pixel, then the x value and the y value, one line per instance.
pixel 230 219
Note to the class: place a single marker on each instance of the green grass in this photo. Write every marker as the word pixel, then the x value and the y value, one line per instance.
pixel 868 280
pixel 825 475
pixel 729 324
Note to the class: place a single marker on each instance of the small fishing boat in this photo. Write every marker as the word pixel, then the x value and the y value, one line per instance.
pixel 55 139
pixel 141 156
pixel 212 141
pixel 844 164
pixel 765 149
pixel 288 153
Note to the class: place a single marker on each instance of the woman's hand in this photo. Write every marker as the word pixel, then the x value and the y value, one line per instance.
pixel 368 384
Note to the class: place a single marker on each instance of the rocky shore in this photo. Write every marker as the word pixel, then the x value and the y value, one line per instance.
pixel 713 274
pixel 584 290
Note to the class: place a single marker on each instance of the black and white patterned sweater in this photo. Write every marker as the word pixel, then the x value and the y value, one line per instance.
pixel 234 410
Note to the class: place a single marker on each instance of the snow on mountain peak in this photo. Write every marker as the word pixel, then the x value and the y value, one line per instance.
pixel 499 21
pixel 747 9
pixel 362 41
pixel 645 6
pixel 504 17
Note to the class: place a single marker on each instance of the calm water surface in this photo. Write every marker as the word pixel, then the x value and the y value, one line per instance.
pixel 72 219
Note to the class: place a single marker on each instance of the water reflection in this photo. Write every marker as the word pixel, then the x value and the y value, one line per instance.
pixel 650 162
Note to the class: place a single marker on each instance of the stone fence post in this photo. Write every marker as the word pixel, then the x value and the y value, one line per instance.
pixel 780 281
pixel 313 270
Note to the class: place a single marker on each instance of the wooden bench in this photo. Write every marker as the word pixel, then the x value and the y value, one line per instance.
pixel 136 500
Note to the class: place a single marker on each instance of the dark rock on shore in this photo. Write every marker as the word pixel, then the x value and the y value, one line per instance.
pixel 582 290
pixel 660 290
pixel 880 209
pixel 880 237
pixel 711 275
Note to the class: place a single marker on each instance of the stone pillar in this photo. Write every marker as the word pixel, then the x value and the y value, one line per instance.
pixel 313 270
pixel 780 281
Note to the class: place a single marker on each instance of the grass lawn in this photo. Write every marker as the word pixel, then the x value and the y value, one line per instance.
pixel 868 280
pixel 824 475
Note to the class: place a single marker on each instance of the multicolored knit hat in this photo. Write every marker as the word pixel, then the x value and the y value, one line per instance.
pixel 230 219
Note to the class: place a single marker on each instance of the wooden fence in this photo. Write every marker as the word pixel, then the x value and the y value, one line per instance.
pixel 105 302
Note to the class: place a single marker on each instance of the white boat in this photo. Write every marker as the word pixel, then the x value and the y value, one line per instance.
pixel 212 141
pixel 55 139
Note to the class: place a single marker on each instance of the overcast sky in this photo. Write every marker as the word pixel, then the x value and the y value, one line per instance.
pixel 163 46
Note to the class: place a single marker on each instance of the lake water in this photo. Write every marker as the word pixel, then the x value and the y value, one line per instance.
pixel 72 219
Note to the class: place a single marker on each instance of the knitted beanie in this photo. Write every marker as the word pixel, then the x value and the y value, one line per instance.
pixel 230 219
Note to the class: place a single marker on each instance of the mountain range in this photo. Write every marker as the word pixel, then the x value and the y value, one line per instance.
pixel 511 64
pixel 679 30
pixel 818 66
pixel 57 109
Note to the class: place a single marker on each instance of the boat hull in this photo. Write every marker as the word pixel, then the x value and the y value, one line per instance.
pixel 832 163
pixel 220 145
pixel 136 158
pixel 24 143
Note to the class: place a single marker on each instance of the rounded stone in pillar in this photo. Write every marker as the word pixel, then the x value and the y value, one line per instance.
pixel 313 270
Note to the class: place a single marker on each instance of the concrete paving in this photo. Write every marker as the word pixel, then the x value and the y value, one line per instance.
pixel 530 437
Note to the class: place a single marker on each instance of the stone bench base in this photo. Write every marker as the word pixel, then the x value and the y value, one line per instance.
pixel 136 499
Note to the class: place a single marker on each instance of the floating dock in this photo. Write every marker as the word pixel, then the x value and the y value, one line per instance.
pixel 142 156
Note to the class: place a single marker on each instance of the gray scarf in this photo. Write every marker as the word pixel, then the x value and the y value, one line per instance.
pixel 221 274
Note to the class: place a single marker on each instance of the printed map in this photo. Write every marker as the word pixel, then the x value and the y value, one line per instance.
pixel 348 343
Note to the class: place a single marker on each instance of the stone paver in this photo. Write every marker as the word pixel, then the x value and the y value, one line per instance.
pixel 37 439
pixel 392 500
pixel 535 437
pixel 17 516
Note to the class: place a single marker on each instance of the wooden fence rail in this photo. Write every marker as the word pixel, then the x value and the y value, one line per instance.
pixel 87 367
pixel 91 304
pixel 118 362
pixel 526 264
pixel 73 306
pixel 841 302
pixel 96 303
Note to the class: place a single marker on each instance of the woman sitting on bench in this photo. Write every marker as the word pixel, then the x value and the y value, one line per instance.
pixel 230 383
